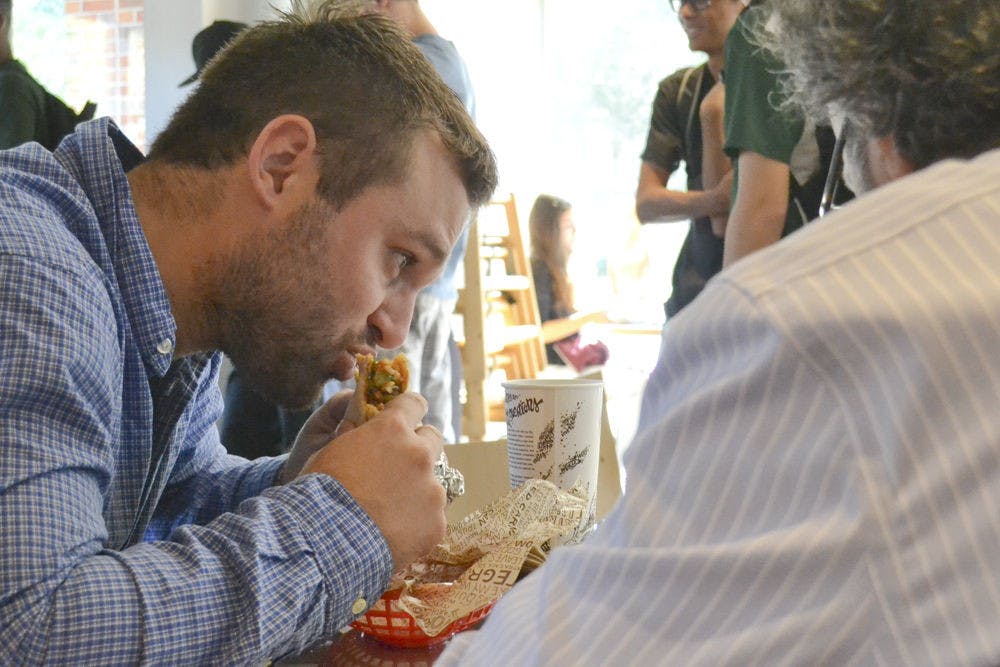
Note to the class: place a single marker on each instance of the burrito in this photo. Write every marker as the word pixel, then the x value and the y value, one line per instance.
pixel 378 381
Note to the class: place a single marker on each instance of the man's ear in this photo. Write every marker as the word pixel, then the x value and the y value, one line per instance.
pixel 282 162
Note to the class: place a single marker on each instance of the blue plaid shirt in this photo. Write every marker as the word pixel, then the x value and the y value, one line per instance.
pixel 128 533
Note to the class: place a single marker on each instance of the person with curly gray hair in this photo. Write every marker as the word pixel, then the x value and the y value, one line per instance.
pixel 926 93
pixel 816 475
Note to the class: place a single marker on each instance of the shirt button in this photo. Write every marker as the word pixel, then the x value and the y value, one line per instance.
pixel 359 606
pixel 165 346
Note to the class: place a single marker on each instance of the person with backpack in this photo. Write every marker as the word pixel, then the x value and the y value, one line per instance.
pixel 675 134
pixel 28 112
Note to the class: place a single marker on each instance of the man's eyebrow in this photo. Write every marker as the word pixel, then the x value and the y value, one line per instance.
pixel 431 243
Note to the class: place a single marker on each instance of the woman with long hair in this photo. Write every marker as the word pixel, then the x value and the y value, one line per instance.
pixel 552 234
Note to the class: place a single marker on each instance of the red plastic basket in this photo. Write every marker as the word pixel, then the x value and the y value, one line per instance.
pixel 389 624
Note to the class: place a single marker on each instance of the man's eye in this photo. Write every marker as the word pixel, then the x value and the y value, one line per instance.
pixel 403 259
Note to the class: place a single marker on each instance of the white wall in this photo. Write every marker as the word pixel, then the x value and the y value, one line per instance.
pixel 169 29
pixel 247 11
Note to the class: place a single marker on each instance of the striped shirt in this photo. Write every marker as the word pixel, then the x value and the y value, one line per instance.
pixel 127 534
pixel 816 475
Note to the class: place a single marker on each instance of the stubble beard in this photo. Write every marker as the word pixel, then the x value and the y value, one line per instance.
pixel 269 318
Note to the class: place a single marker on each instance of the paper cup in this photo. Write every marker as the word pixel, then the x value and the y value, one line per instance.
pixel 554 433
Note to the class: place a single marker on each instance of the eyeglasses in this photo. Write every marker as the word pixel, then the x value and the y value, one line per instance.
pixel 697 5
pixel 832 185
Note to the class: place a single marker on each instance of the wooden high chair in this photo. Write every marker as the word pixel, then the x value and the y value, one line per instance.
pixel 499 309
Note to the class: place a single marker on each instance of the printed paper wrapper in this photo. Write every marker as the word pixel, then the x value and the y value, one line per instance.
pixel 483 554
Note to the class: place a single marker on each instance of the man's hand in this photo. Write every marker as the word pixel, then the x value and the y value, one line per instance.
pixel 387 465
pixel 319 429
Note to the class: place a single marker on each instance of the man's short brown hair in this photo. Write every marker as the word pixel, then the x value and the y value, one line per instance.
pixel 364 86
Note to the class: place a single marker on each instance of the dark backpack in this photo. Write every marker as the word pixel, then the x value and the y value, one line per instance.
pixel 61 120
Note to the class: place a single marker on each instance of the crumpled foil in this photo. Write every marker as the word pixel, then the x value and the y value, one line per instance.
pixel 451 478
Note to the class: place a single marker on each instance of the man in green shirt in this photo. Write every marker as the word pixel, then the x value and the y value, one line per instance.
pixel 778 171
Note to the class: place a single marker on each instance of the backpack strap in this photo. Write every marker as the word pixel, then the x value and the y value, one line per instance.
pixel 692 96
pixel 684 84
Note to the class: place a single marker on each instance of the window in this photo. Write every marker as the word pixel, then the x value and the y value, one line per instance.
pixel 564 90
pixel 87 50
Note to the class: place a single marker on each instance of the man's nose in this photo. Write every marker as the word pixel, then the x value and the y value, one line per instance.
pixel 392 319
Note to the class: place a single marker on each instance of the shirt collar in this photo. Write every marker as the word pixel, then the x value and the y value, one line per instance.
pixel 100 154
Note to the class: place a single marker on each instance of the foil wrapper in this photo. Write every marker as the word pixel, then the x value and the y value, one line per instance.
pixel 451 478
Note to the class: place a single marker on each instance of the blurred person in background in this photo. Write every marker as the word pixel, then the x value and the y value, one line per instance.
pixel 28 112
pixel 676 134
pixel 433 355
pixel 208 42
pixel 553 232
pixel 435 360
pixel 816 475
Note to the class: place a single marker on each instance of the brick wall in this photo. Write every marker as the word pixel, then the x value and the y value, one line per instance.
pixel 107 60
